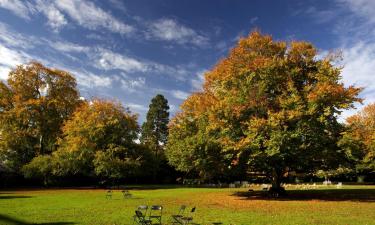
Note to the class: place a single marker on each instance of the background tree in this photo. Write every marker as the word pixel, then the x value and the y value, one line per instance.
pixel 270 104
pixel 155 133
pixel 358 141
pixel 99 139
pixel 155 128
pixel 33 105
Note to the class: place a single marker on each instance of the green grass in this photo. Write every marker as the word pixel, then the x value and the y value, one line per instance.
pixel 349 205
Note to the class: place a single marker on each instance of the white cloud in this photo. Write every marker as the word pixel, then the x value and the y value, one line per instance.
pixel 253 20
pixel 13 39
pixel 91 80
pixel 9 59
pixel 132 84
pixel 171 30
pixel 84 12
pixel 320 16
pixel 69 47
pixel 56 20
pixel 359 69
pixel 4 71
pixel 20 8
pixel 363 8
pixel 173 108
pixel 198 81
pixel 180 94
pixel 107 60
pixel 137 107
pixel 88 15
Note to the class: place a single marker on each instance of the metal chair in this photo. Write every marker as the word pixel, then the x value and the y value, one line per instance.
pixel 176 218
pixel 156 212
pixel 140 219
pixel 188 219
pixel 143 210
pixel 126 194
pixel 108 194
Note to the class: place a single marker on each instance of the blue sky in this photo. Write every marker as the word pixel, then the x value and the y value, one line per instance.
pixel 133 50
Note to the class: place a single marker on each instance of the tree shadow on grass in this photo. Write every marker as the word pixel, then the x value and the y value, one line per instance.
pixel 355 195
pixel 13 221
pixel 13 196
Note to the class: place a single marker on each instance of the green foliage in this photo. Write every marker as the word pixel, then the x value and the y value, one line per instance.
pixel 40 167
pixel 190 150
pixel 155 128
pixel 99 139
pixel 117 162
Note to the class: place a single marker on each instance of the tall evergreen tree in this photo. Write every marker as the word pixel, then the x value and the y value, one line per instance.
pixel 155 129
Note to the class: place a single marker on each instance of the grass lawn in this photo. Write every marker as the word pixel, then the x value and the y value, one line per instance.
pixel 349 205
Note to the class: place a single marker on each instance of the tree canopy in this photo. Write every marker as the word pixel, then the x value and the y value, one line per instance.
pixel 269 106
pixel 34 103
pixel 358 140
pixel 98 129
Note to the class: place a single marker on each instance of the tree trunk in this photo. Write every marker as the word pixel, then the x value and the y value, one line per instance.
pixel 276 189
pixel 276 179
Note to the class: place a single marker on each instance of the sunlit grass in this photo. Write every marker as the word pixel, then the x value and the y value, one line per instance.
pixel 348 205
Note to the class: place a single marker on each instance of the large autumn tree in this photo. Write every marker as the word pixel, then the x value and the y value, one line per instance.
pixel 269 106
pixel 34 103
pixel 358 140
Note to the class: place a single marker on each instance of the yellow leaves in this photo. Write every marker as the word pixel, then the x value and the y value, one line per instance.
pixel 301 51
pixel 362 125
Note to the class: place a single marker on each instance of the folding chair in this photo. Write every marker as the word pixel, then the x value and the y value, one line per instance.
pixel 142 209
pixel 126 194
pixel 156 212
pixel 140 219
pixel 176 218
pixel 108 194
pixel 188 219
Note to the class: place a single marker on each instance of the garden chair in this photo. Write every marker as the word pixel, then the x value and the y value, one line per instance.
pixel 188 219
pixel 142 209
pixel 176 218
pixel 156 212
pixel 108 194
pixel 126 194
pixel 139 218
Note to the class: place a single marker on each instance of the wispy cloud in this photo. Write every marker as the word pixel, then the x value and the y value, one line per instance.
pixel 363 8
pixel 182 95
pixel 109 60
pixel 69 47
pixel 55 19
pixel 198 81
pixel 137 107
pixel 88 15
pixel 132 84
pixel 84 13
pixel 171 30
pixel 253 20
pixel 359 68
pixel 91 80
pixel 321 16
pixel 9 59
pixel 14 39
pixel 18 7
